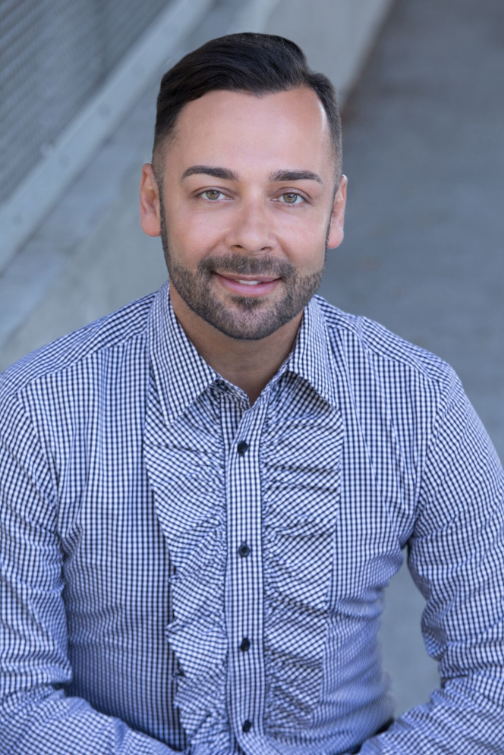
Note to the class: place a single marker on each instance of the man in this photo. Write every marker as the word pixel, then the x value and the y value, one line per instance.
pixel 204 495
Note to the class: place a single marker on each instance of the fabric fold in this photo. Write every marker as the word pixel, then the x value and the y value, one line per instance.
pixel 187 481
pixel 301 492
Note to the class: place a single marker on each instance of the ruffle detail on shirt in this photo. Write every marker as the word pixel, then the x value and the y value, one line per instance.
pixel 190 503
pixel 301 457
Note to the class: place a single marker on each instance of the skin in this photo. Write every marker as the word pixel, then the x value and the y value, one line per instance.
pixel 249 220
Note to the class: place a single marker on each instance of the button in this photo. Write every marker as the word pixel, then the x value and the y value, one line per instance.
pixel 247 725
pixel 245 644
pixel 243 550
pixel 242 447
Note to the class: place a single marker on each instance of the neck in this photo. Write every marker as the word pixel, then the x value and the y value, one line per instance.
pixel 249 365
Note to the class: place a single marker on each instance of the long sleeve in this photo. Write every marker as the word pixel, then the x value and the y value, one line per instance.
pixel 456 558
pixel 36 717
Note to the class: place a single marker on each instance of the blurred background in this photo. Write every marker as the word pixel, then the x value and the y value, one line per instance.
pixel 420 86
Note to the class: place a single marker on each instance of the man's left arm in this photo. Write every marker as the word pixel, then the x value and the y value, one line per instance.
pixel 456 557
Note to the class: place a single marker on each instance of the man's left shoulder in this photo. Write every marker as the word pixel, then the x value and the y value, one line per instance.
pixel 372 344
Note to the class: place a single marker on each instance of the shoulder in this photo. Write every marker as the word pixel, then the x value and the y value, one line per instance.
pixel 127 324
pixel 368 342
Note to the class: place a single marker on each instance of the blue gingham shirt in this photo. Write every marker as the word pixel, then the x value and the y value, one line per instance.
pixel 182 571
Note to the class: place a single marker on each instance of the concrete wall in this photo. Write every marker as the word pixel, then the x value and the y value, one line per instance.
pixel 90 255
pixel 336 35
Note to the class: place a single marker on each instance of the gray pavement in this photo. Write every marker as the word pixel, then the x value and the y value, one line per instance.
pixel 424 153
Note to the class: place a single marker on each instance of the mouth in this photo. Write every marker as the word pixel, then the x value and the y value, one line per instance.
pixel 248 285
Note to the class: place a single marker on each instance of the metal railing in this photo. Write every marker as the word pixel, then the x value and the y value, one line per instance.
pixel 54 54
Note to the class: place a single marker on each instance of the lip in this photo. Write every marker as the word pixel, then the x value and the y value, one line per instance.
pixel 265 287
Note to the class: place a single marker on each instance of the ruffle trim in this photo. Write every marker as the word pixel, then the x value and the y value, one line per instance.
pixel 301 457
pixel 190 503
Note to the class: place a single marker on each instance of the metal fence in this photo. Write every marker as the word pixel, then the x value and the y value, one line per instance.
pixel 54 55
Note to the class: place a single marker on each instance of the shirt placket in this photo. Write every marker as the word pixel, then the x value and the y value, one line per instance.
pixel 244 577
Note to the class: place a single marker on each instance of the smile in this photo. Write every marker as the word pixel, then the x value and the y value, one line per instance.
pixel 248 287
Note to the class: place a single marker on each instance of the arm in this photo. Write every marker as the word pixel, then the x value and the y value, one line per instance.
pixel 36 717
pixel 456 557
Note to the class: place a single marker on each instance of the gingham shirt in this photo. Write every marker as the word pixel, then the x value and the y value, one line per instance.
pixel 182 571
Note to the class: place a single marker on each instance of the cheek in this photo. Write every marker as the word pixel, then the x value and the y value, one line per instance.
pixel 191 238
pixel 305 247
pixel 304 228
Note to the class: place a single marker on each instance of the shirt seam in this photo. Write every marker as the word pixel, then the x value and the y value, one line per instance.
pixel 20 391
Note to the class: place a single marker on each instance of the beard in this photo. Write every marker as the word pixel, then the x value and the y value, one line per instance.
pixel 250 318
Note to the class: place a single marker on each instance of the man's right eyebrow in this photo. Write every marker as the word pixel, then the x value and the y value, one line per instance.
pixel 210 170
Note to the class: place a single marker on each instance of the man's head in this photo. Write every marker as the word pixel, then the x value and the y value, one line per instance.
pixel 259 64
pixel 246 181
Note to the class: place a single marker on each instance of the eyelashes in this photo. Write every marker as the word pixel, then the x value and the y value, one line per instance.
pixel 291 194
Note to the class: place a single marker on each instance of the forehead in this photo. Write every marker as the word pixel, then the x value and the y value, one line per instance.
pixel 242 130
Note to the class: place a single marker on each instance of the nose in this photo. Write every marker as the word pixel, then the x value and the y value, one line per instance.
pixel 250 230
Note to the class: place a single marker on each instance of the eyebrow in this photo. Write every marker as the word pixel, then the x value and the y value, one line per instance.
pixel 228 175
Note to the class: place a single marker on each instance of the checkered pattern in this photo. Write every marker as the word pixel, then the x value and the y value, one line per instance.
pixel 181 571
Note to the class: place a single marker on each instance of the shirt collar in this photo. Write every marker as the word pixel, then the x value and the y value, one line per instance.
pixel 181 374
pixel 310 357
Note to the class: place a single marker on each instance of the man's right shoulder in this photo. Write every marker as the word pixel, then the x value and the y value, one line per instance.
pixel 107 333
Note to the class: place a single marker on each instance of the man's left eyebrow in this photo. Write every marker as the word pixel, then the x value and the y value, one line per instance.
pixel 296 175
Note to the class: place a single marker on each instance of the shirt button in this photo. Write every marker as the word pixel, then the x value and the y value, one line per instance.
pixel 245 644
pixel 243 550
pixel 242 447
pixel 247 725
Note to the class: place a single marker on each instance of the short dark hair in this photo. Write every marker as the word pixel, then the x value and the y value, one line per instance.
pixel 245 62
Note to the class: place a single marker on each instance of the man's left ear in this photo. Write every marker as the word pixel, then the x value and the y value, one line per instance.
pixel 337 223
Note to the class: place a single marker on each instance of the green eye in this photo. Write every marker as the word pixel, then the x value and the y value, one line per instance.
pixel 211 194
pixel 291 197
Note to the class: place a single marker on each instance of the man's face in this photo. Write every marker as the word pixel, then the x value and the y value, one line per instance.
pixel 247 208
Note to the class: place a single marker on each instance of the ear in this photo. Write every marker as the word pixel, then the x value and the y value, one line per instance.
pixel 150 216
pixel 337 222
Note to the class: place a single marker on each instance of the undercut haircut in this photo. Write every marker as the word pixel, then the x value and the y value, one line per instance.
pixel 258 64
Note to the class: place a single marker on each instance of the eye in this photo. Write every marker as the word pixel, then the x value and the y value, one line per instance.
pixel 291 198
pixel 211 194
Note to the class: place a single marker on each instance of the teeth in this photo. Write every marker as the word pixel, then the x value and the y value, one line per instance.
pixel 250 283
